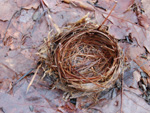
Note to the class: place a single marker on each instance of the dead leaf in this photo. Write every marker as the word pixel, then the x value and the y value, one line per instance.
pixel 136 76
pixel 7 76
pixel 28 4
pixel 7 9
pixel 133 103
pixel 31 102
pixel 148 81
pixel 134 53
pixel 147 41
pixel 146 7
pixel 136 79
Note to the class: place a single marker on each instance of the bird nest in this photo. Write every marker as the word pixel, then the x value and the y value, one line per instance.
pixel 82 58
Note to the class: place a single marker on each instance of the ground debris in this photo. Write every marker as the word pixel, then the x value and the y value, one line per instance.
pixel 28 29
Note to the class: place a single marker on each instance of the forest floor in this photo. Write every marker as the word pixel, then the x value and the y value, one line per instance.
pixel 25 23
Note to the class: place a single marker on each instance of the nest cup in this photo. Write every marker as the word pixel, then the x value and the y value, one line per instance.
pixel 87 59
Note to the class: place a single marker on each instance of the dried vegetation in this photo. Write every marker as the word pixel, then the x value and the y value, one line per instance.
pixel 82 57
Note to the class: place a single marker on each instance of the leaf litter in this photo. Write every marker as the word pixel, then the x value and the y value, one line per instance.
pixel 19 56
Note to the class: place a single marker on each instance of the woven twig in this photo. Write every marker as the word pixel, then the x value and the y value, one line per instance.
pixel 84 58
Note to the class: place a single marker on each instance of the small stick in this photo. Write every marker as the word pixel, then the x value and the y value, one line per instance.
pixel 33 77
pixel 22 77
pixel 13 84
pixel 108 15
pixel 96 5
